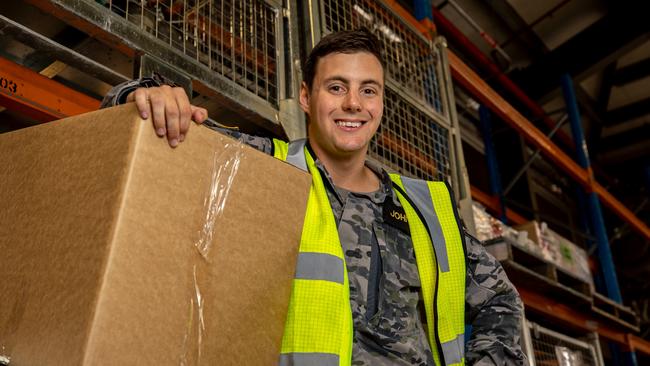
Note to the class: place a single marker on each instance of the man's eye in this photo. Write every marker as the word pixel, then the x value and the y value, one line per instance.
pixel 369 91
pixel 336 88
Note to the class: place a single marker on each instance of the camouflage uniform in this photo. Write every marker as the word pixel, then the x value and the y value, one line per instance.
pixel 385 286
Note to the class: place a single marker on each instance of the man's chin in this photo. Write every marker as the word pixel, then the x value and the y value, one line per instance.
pixel 352 149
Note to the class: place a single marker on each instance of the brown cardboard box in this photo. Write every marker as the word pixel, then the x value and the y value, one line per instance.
pixel 98 263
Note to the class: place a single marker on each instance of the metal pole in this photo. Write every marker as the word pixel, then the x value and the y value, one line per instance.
pixel 593 204
pixel 423 9
pixel 594 211
pixel 491 157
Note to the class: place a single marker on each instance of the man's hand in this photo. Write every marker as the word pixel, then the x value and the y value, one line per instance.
pixel 170 109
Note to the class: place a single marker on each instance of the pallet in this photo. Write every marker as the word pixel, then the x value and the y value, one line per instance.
pixel 529 270
pixel 612 310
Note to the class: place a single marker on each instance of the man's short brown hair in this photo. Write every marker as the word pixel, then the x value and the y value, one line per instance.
pixel 347 41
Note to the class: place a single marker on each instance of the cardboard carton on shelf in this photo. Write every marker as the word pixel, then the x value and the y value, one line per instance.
pixel 107 254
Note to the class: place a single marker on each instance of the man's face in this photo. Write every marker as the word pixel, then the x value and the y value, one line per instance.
pixel 345 104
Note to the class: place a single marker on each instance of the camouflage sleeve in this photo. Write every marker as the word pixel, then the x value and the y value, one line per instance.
pixel 263 144
pixel 117 95
pixel 493 309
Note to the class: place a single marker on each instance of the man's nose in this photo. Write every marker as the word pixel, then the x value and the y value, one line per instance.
pixel 352 103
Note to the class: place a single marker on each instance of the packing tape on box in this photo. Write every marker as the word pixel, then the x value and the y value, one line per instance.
pixel 225 166
pixel 224 169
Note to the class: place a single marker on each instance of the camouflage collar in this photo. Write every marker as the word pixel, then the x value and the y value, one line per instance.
pixel 378 197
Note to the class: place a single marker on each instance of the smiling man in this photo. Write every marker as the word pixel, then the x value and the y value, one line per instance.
pixel 344 101
pixel 385 275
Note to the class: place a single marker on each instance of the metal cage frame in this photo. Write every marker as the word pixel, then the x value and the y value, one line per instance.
pixel 538 341
pixel 136 30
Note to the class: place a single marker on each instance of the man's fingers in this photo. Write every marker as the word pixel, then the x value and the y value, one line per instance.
pixel 157 101
pixel 172 115
pixel 185 112
pixel 170 110
pixel 141 101
pixel 199 115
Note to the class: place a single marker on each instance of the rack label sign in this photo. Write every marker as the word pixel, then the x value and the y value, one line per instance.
pixel 8 84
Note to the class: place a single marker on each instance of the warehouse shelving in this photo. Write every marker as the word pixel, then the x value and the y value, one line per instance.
pixel 39 97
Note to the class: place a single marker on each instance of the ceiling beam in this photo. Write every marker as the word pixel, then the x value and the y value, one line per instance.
pixel 600 107
pixel 605 91
pixel 603 42
pixel 628 112
pixel 632 72
pixel 633 136
pixel 631 155
pixel 519 30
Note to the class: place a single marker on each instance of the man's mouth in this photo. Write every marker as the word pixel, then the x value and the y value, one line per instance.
pixel 348 124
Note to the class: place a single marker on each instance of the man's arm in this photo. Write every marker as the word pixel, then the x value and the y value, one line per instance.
pixel 493 309
pixel 172 112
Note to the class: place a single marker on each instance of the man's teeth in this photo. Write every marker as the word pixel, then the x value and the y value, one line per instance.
pixel 348 124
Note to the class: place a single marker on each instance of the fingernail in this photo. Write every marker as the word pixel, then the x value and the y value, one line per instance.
pixel 181 137
pixel 144 115
pixel 160 132
pixel 173 142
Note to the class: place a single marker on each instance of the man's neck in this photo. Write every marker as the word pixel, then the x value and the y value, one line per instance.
pixel 350 173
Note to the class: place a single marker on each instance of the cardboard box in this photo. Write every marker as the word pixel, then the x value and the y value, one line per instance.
pixel 98 261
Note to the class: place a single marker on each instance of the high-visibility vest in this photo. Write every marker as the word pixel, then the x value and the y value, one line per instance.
pixel 319 328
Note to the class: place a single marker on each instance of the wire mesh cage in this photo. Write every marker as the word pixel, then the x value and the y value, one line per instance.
pixel 550 348
pixel 236 39
pixel 411 142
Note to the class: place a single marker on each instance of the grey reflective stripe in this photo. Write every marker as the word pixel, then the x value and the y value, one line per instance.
pixel 418 192
pixel 461 344
pixel 319 266
pixel 309 359
pixel 296 154
pixel 453 350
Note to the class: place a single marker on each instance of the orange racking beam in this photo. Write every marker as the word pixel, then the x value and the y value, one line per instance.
pixel 490 98
pixel 538 303
pixel 541 304
pixel 39 97
pixel 638 344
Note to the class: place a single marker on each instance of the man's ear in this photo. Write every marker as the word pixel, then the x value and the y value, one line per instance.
pixel 304 97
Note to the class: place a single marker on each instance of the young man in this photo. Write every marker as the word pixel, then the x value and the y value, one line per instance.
pixel 378 250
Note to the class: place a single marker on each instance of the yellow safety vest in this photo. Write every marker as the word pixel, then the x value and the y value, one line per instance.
pixel 319 330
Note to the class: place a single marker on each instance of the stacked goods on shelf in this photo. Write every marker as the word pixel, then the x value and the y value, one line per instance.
pixel 489 229
pixel 535 238
pixel 535 256
pixel 559 250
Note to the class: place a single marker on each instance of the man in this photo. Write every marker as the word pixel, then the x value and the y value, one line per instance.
pixel 378 250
